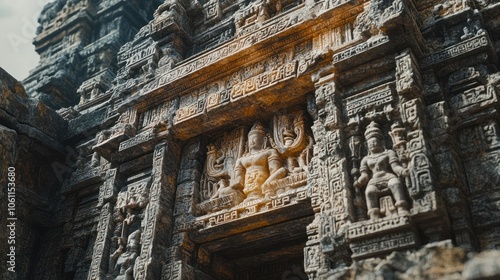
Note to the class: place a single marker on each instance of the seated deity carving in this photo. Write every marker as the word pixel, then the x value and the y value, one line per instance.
pixel 381 173
pixel 257 168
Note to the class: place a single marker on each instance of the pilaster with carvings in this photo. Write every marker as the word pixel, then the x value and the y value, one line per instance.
pixel 327 183
pixel 451 174
pixel 158 220
pixel 100 255
pixel 423 185
pixel 477 147
pixel 180 248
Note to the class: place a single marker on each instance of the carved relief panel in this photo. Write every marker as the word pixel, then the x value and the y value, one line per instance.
pixel 260 168
pixel 246 81
pixel 386 179
pixel 389 166
pixel 479 146
pixel 128 218
pixel 382 175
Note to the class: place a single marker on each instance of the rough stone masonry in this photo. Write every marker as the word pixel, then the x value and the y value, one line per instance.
pixel 254 140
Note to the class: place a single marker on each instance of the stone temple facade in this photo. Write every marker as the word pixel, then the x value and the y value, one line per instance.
pixel 255 140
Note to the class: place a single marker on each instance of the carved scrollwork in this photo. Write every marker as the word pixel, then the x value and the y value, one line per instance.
pixel 290 136
pixel 222 155
pixel 291 140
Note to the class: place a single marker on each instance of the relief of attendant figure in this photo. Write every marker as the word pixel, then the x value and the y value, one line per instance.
pixel 381 173
pixel 260 166
pixel 125 260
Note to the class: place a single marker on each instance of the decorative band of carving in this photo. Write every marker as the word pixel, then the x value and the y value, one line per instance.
pixel 456 50
pixel 172 271
pixel 251 208
pixel 360 48
pixel 140 138
pixel 359 104
pixel 264 80
pixel 387 243
pixel 80 177
pixel 229 49
pixel 239 90
pixel 363 229
pixel 217 203
pixel 472 99
pixel 292 181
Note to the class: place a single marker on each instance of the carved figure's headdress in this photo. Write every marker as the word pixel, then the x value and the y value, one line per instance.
pixel 373 130
pixel 257 128
pixel 397 126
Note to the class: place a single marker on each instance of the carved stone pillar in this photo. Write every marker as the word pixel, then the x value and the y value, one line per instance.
pixel 158 220
pixel 106 203
pixel 450 175
pixel 328 181
pixel 464 143
pixel 423 188
pixel 180 248
pixel 107 191
pixel 100 256
pixel 408 78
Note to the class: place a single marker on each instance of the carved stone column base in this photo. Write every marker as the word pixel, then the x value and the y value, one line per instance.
pixel 380 236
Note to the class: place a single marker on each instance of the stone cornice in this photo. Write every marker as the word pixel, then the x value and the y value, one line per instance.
pixel 285 31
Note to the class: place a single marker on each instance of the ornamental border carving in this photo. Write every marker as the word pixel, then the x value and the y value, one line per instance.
pixel 230 48
pixel 253 208
pixel 469 45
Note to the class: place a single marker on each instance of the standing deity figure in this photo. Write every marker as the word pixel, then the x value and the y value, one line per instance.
pixel 260 166
pixel 380 173
pixel 124 264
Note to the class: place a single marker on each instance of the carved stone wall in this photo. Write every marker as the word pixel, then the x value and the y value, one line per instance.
pixel 274 139
pixel 78 42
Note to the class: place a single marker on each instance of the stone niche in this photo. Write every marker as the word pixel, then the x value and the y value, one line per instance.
pixel 128 225
pixel 391 175
pixel 251 204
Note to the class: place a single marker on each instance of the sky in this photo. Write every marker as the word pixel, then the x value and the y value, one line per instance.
pixel 18 24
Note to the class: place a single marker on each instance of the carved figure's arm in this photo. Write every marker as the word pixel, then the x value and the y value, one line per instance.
pixel 239 176
pixel 395 165
pixel 365 175
pixel 276 169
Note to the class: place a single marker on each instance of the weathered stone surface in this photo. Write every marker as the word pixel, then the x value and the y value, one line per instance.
pixel 280 139
pixel 485 265
pixel 434 261
pixel 30 141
